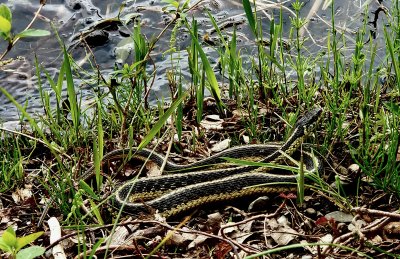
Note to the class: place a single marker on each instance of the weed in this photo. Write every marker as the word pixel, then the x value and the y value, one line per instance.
pixel 13 245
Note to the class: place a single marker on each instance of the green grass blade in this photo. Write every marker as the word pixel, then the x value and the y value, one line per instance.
pixel 157 127
pixel 74 108
pixel 250 16
pixel 215 25
pixel 233 68
pixel 200 97
pixel 268 165
pixel 393 57
pixel 214 88
pixel 96 212
pixel 98 146
pixel 179 112
pixel 96 246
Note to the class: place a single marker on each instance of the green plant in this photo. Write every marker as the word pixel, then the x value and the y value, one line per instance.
pixel 6 26
pixel 11 161
pixel 13 245
pixel 301 64
pixel 377 153
pixel 212 80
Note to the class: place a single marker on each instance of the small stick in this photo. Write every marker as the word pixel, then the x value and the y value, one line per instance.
pixel 362 210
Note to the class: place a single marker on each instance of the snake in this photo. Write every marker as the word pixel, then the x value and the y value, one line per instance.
pixel 193 185
pixel 183 190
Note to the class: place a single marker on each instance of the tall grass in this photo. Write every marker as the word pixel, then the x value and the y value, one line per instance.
pixel 11 163
pixel 211 78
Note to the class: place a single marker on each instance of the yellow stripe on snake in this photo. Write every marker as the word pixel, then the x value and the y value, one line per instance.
pixel 182 190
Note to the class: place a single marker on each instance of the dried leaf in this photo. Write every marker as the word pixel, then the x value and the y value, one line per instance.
pixel 20 195
pixel 240 113
pixel 212 122
pixel 392 230
pixel 282 234
pixel 152 169
pixel 121 233
pixel 242 238
pixel 4 218
pixel 176 239
pixel 214 220
pixel 339 216
pixel 221 145
pixel 230 230
pixel 197 241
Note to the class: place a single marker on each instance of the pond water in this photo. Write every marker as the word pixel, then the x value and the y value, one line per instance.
pixel 73 17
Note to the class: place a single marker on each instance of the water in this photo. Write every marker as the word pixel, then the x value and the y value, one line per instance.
pixel 71 17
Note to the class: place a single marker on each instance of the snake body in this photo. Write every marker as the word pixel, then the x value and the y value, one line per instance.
pixel 174 193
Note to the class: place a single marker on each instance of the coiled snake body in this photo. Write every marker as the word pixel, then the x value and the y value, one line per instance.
pixel 178 192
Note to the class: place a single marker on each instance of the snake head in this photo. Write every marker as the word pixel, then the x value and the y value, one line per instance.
pixel 308 121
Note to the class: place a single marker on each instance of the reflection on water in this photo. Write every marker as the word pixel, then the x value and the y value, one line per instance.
pixel 72 18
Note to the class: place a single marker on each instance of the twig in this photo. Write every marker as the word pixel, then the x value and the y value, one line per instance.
pixel 361 210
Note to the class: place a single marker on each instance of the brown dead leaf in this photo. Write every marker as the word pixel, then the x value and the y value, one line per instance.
pixel 239 232
pixel 155 241
pixel 149 233
pixel 188 236
pixel 214 220
pixel 240 113
pixel 222 249
pixel 242 237
pixel 200 239
pixel 20 195
pixel 230 230
pixel 176 239
pixel 392 230
pixel 282 233
pixel 262 111
pixel 246 227
pixel 5 218
pixel 212 122
pixel 376 240
pixel 152 169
